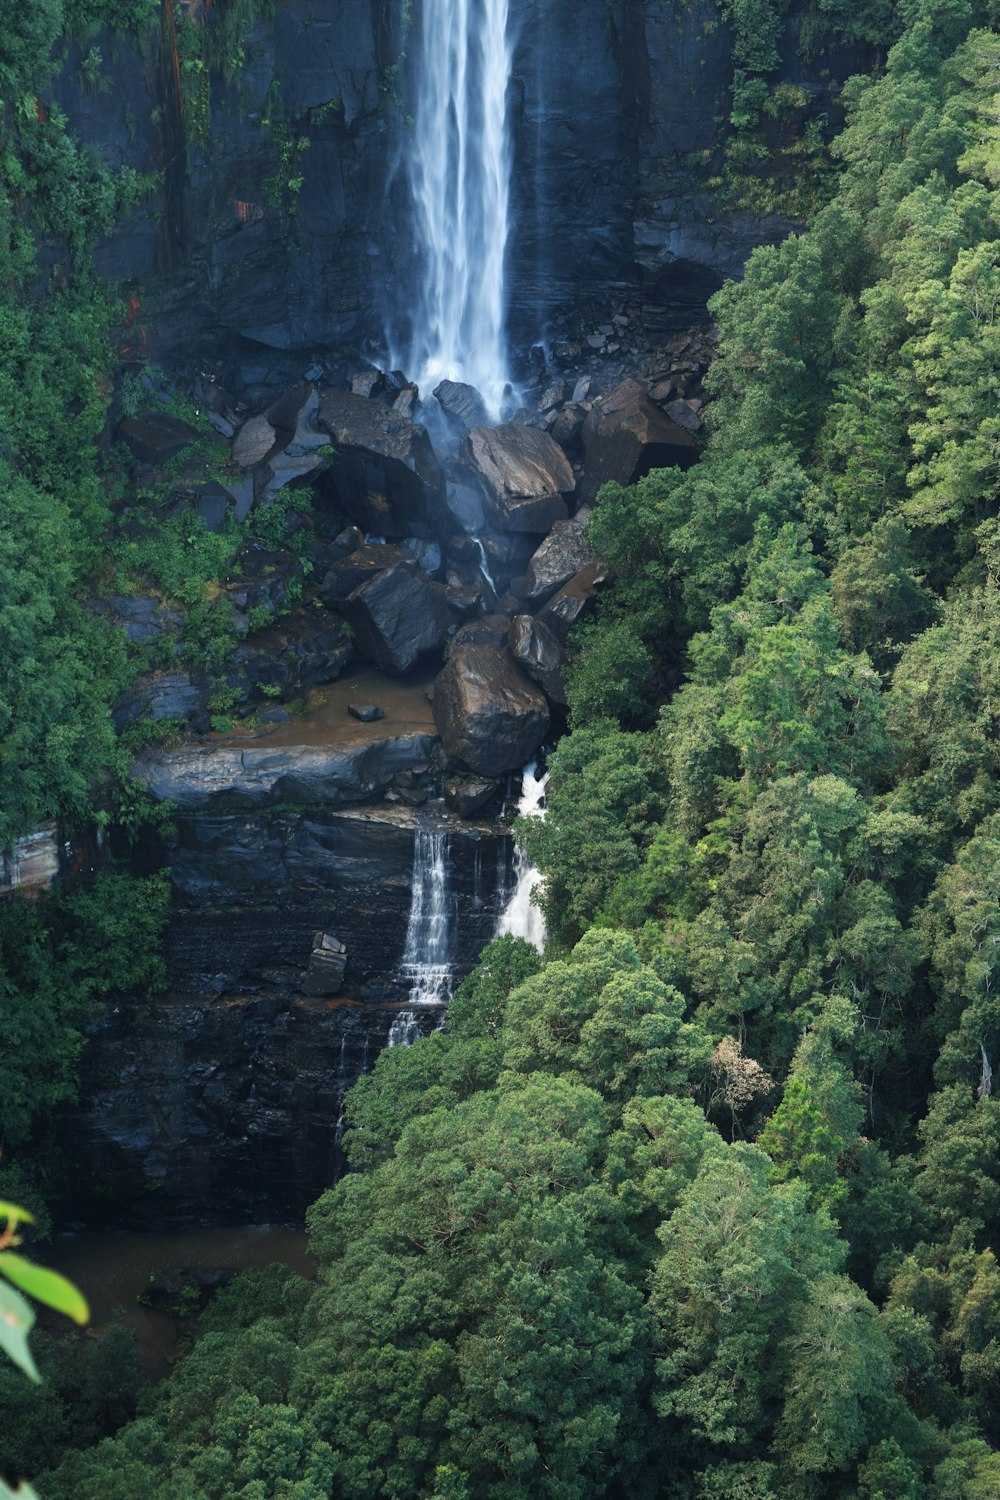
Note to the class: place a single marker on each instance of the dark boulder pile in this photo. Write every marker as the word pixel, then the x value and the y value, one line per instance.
pixel 466 554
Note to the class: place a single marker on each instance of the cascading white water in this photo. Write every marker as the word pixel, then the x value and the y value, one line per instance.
pixel 426 959
pixel 404 1029
pixel 459 171
pixel 521 916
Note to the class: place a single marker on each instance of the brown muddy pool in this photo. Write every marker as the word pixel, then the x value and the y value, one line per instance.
pixel 407 711
pixel 113 1269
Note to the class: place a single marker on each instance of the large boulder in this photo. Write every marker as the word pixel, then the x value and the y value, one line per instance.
pixel 384 474
pixel 473 796
pixel 397 617
pixel 462 404
pixel 488 630
pixel 293 416
pixel 562 554
pixel 280 470
pixel 574 600
pixel 490 716
pixel 626 434
pixel 170 696
pixel 294 654
pixel 141 617
pixel 254 442
pixel 523 473
pixel 537 649
pixel 327 962
pixel 465 507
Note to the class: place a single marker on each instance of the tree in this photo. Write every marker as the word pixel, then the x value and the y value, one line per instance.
pixel 601 1016
pixel 470 1313
pixel 838 1393
pixel 738 1259
pixel 603 793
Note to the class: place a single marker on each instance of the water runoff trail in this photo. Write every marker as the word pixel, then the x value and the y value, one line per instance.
pixel 459 171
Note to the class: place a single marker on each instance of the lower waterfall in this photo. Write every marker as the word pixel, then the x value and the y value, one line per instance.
pixel 427 963
pixel 404 1029
pixel 521 916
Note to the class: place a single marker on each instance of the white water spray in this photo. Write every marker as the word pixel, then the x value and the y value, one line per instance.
pixel 521 916
pixel 426 959
pixel 460 177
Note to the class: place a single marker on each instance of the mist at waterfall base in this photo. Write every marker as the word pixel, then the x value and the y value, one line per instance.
pixel 458 169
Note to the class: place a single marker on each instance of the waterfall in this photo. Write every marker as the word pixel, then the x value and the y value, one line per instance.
pixel 343 1085
pixel 404 1029
pixel 459 171
pixel 521 916
pixel 426 960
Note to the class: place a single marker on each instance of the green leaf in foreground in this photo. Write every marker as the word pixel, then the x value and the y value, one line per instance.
pixel 14 1215
pixel 45 1286
pixel 16 1322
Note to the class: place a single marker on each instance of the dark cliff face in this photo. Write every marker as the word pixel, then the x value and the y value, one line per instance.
pixel 223 1101
pixel 257 240
pixel 226 247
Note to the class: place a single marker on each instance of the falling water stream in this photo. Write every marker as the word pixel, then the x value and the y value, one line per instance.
pixel 427 965
pixel 459 170
pixel 427 957
pixel 521 916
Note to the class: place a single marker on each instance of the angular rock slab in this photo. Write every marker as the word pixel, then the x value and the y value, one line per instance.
pixel 490 716
pixel 155 437
pixel 625 435
pixel 359 567
pixel 523 473
pixel 202 776
pixel 536 648
pixel 573 601
pixel 397 617
pixel 384 473
pixel 560 557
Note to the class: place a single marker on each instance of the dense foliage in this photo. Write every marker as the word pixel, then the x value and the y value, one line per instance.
pixel 705 1207
pixel 61 958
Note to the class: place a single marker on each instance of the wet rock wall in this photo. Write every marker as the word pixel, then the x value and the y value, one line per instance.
pixel 222 1101
pixel 281 218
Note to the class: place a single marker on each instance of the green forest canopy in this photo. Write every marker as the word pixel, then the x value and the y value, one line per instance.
pixel 704 1207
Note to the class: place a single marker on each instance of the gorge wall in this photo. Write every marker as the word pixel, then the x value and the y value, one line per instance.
pixel 222 1101
pixel 281 219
